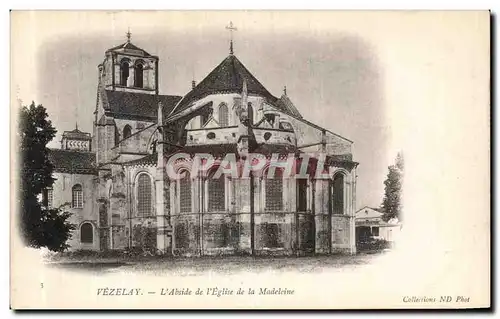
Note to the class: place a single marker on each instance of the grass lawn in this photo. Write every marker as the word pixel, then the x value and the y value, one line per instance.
pixel 190 266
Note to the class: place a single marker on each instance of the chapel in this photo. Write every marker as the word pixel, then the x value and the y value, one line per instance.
pixel 117 181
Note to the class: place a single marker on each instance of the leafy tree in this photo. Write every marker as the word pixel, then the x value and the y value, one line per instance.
pixel 391 204
pixel 40 226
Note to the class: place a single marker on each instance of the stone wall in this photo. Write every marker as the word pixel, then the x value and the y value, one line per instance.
pixel 62 198
pixel 209 136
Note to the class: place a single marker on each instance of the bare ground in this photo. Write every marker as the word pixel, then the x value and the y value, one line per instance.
pixel 192 266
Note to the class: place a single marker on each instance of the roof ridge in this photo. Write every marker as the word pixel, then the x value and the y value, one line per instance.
pixel 128 45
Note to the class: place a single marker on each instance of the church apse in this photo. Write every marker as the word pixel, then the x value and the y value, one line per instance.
pixel 226 169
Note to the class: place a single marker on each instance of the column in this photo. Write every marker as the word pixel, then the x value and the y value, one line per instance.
pixel 321 218
pixel 351 212
pixel 163 230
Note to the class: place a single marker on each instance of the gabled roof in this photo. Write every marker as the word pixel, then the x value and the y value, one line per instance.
pixel 132 105
pixel 124 47
pixel 73 162
pixel 227 77
pixel 368 212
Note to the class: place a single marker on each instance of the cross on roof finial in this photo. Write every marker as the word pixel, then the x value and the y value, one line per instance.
pixel 284 90
pixel 128 35
pixel 231 28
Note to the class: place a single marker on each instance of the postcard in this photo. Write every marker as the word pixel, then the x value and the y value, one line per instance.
pixel 250 159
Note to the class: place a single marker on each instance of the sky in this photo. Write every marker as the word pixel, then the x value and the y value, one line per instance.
pixel 334 69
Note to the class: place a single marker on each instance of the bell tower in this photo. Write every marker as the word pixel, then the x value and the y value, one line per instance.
pixel 127 67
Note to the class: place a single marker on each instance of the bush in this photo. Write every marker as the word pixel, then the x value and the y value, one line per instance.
pixel 373 245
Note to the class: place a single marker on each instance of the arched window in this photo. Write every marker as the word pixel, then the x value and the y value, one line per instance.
pixel 185 193
pixel 223 115
pixel 144 191
pixel 127 131
pixel 139 71
pixel 216 192
pixel 77 196
pixel 337 194
pixel 274 191
pixel 124 72
pixel 87 233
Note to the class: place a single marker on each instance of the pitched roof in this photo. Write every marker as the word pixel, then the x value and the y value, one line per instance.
pixel 285 103
pixel 131 105
pixel 227 77
pixel 150 159
pixel 231 148
pixel 129 46
pixel 75 162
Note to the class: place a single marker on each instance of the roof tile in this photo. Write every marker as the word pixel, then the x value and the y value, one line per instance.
pixel 74 162
pixel 131 105
pixel 227 77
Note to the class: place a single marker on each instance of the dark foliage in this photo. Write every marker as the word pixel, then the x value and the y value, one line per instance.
pixel 373 245
pixel 40 226
pixel 391 204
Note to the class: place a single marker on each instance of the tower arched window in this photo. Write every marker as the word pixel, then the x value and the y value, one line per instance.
pixel 274 191
pixel 216 192
pixel 87 233
pixel 185 193
pixel 144 195
pixel 127 131
pixel 77 196
pixel 223 115
pixel 139 73
pixel 124 72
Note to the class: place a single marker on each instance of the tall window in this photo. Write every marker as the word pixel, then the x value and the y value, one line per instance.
pixel 301 194
pixel 127 131
pixel 338 194
pixel 87 233
pixel 77 198
pixel 50 197
pixel 250 113
pixel 144 195
pixel 124 72
pixel 117 136
pixel 139 70
pixel 185 193
pixel 216 193
pixel 223 115
pixel 274 192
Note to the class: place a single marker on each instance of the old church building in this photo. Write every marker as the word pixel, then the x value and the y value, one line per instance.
pixel 115 180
